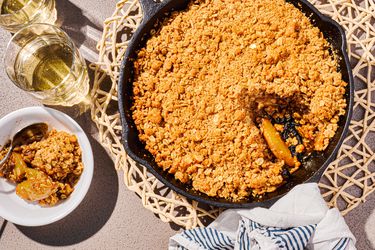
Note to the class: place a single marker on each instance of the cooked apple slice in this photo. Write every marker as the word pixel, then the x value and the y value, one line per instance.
pixel 20 167
pixel 38 186
pixel 277 145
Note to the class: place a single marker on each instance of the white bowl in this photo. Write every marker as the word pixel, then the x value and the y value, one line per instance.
pixel 15 209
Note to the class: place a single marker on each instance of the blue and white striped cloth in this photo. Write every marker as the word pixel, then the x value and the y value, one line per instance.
pixel 300 220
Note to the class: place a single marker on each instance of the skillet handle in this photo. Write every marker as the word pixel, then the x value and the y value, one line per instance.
pixel 149 8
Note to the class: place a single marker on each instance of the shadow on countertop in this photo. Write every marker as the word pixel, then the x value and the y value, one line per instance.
pixel 91 215
pixel 3 225
pixel 72 20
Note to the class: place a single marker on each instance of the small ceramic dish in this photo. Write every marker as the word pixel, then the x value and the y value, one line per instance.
pixel 15 209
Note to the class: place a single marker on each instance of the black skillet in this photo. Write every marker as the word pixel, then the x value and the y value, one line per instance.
pixel 311 171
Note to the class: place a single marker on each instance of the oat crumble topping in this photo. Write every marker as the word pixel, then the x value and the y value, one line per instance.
pixel 209 71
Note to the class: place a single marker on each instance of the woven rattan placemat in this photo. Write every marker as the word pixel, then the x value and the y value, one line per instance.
pixel 347 181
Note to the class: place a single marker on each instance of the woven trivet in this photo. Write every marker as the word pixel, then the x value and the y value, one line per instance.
pixel 347 181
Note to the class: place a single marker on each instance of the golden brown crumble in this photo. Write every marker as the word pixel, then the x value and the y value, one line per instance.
pixel 206 74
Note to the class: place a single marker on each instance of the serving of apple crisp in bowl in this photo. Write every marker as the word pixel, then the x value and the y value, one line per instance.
pixel 50 167
pixel 237 100
pixel 45 171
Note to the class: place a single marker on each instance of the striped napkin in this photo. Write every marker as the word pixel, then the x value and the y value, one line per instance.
pixel 300 220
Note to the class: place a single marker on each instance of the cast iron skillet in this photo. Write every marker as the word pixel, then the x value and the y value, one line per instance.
pixel 311 171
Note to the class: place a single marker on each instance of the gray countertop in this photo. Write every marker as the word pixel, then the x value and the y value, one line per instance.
pixel 110 217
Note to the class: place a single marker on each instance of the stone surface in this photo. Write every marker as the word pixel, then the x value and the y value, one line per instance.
pixel 361 222
pixel 110 217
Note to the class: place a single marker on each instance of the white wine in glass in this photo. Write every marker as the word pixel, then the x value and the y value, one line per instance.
pixel 16 14
pixel 42 60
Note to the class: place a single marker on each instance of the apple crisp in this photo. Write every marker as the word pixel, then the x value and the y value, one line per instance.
pixel 221 80
pixel 45 171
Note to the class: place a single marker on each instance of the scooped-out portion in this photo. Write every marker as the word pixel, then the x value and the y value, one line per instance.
pixel 229 95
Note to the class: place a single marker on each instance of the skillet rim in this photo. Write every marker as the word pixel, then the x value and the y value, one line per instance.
pixel 150 11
